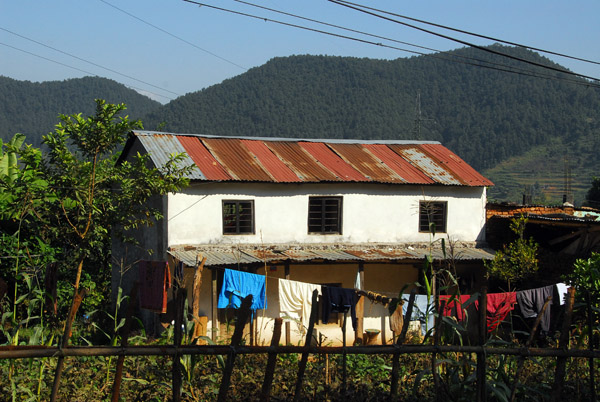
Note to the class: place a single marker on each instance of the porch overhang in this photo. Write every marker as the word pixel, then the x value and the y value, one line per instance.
pixel 255 254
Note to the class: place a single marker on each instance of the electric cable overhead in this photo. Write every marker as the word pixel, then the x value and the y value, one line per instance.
pixel 87 61
pixel 508 69
pixel 174 36
pixel 445 57
pixel 485 49
pixel 78 69
pixel 474 34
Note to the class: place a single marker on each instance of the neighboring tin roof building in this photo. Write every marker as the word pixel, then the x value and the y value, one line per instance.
pixel 279 160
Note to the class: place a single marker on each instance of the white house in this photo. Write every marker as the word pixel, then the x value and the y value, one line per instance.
pixel 316 211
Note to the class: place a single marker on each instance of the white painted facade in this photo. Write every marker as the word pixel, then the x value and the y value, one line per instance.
pixel 373 213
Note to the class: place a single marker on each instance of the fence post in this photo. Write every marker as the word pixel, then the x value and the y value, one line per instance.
pixel 513 390
pixel 563 343
pixel 124 342
pixel 304 359
pixel 400 340
pixel 180 296
pixel 270 370
pixel 242 317
pixel 65 341
pixel 481 364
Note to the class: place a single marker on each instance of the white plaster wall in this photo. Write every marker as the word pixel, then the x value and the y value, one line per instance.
pixel 371 213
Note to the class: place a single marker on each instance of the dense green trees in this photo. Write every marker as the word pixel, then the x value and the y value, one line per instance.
pixel 64 203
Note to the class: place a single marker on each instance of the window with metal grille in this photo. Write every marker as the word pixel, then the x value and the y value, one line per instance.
pixel 325 215
pixel 238 217
pixel 432 212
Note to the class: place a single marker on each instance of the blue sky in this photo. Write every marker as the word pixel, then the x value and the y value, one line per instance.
pixel 213 45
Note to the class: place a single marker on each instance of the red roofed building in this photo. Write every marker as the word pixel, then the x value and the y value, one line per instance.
pixel 317 211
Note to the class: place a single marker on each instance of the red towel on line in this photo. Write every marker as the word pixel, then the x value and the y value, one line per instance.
pixel 155 279
pixel 453 306
pixel 498 307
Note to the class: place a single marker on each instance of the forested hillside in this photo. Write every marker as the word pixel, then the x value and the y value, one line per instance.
pixel 517 129
pixel 32 108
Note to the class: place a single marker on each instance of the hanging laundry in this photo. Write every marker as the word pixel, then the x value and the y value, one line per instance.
pixel 562 292
pixel 237 285
pixel 339 300
pixel 531 301
pixel 155 279
pixel 454 305
pixel 295 300
pixel 498 307
pixel 422 311
pixel 397 318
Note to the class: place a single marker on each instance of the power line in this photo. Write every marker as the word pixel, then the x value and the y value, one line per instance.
pixel 75 68
pixel 508 69
pixel 485 49
pixel 474 34
pixel 504 66
pixel 174 36
pixel 87 61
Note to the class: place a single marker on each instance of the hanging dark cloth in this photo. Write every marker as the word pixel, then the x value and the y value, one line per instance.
pixel 338 300
pixel 531 301
pixel 155 279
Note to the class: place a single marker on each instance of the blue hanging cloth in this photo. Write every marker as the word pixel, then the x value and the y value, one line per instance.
pixel 237 285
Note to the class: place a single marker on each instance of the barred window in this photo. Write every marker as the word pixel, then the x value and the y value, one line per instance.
pixel 238 217
pixel 325 215
pixel 432 212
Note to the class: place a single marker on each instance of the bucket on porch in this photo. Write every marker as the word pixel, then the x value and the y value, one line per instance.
pixel 372 336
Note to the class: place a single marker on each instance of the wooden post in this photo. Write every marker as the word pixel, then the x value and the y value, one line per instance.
pixel 65 341
pixel 360 308
pixel 288 332
pixel 304 359
pixel 265 394
pixel 399 341
pixel 521 361
pixel 243 314
pixel 563 343
pixel 124 342
pixel 180 296
pixel 481 364
pixel 198 328
pixel 214 313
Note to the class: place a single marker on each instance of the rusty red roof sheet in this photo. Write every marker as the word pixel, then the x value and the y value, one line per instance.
pixel 236 159
pixel 321 152
pixel 463 171
pixel 366 163
pixel 271 162
pixel 312 161
pixel 398 164
pixel 207 163
pixel 301 162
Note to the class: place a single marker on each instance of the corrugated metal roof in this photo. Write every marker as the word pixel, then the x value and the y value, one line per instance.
pixel 289 160
pixel 398 164
pixel 332 161
pixel 455 164
pixel 161 147
pixel 236 159
pixel 271 162
pixel 426 164
pixel 301 162
pixel 211 169
pixel 256 255
pixel 366 163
